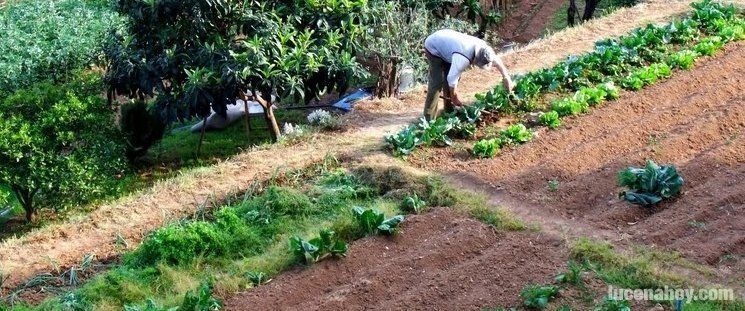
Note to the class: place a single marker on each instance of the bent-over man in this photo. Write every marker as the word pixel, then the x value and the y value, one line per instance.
pixel 449 54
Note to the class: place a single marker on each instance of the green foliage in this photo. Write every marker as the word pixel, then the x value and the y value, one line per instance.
pixel 591 95
pixel 684 59
pixel 47 40
pixel 708 46
pixel 326 244
pixel 646 76
pixel 651 184
pixel 373 222
pixel 611 90
pixel 257 277
pixel 573 275
pixel 610 304
pixel 434 133
pixel 486 148
pixel 193 56
pixel 550 119
pixel 515 134
pixel 180 243
pixel 570 106
pixel 405 141
pixel 59 145
pixel 413 203
pixel 538 296
pixel 201 300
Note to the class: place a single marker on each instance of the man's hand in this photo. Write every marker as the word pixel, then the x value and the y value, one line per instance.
pixel 455 100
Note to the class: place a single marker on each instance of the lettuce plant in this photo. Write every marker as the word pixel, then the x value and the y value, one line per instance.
pixel 651 184
pixel 550 119
pixel 684 59
pixel 569 106
pixel 515 134
pixel 709 46
pixel 486 148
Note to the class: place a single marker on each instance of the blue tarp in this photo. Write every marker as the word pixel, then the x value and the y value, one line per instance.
pixel 347 103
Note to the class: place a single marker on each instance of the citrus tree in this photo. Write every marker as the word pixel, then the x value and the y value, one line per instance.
pixel 58 144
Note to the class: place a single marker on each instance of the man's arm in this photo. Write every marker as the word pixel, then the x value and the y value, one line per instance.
pixel 460 63
pixel 506 80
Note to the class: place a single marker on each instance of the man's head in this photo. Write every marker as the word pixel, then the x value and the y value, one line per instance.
pixel 485 57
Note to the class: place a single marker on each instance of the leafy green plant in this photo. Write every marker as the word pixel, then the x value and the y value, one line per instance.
pixel 573 275
pixel 486 148
pixel 684 59
pixel 538 296
pixel 404 142
pixel 326 244
pixel 257 277
pixel 434 133
pixel 550 119
pixel 611 90
pixel 651 184
pixel 708 46
pixel 591 95
pixel 553 185
pixel 569 106
pixel 413 203
pixel 373 222
pixel 515 134
pixel 201 300
pixel 610 304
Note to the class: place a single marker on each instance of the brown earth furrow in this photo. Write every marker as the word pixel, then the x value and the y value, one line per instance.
pixel 439 259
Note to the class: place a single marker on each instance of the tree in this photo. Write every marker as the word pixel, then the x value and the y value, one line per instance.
pixel 58 144
pixel 193 56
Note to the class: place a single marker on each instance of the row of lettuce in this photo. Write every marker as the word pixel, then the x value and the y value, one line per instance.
pixel 631 62
pixel 182 265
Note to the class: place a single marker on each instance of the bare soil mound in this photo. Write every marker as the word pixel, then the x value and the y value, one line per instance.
pixel 695 120
pixel 439 261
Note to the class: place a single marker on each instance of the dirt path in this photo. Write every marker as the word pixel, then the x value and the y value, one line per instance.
pixel 695 120
pixel 130 218
pixel 528 19
pixel 440 261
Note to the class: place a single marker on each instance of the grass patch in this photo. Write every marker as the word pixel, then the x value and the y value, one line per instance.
pixel 644 268
pixel 226 248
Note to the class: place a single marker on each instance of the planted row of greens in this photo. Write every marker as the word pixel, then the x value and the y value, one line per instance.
pixel 639 59
pixel 304 220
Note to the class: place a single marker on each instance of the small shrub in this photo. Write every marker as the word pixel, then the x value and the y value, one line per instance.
pixel 324 120
pixel 651 184
pixel 538 296
pixel 550 119
pixel 486 148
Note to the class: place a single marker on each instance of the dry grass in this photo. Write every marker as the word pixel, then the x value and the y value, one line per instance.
pixel 139 213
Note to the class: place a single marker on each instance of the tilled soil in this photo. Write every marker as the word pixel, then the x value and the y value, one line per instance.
pixel 440 261
pixel 695 120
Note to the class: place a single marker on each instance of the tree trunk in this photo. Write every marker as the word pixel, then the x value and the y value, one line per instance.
pixel 572 12
pixel 269 117
pixel 26 198
pixel 590 6
pixel 247 123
